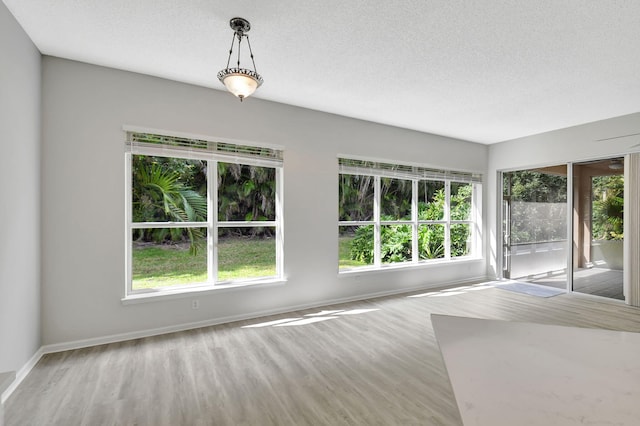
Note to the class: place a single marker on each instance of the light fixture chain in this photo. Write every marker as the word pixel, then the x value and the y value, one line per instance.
pixel 233 39
pixel 251 54
pixel 239 44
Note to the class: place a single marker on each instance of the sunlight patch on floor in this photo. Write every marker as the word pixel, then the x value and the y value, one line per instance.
pixel 455 291
pixel 305 321
pixel 269 323
pixel 451 293
pixel 356 311
pixel 312 318
pixel 321 313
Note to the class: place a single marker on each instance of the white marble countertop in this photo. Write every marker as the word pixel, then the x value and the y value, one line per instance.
pixel 521 374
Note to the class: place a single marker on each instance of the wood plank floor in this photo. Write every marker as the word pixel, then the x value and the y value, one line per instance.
pixel 380 367
pixel 595 281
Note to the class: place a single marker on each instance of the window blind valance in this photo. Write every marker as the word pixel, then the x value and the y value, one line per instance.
pixel 373 168
pixel 174 146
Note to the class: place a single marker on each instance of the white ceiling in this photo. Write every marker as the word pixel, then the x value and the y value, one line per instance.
pixel 484 71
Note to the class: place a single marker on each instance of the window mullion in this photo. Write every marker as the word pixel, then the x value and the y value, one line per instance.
pixel 279 227
pixel 128 238
pixel 415 255
pixel 476 219
pixel 245 224
pixel 212 218
pixel 377 259
pixel 447 217
pixel 145 225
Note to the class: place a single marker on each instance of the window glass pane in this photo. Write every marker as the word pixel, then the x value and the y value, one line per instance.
pixel 461 201
pixel 168 257
pixel 395 243
pixel 355 246
pixel 431 200
pixel 246 253
pixel 460 239
pixel 168 189
pixel 431 241
pixel 607 202
pixel 356 197
pixel 246 192
pixel 395 199
pixel 538 207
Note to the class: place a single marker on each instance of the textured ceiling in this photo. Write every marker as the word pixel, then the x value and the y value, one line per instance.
pixel 484 71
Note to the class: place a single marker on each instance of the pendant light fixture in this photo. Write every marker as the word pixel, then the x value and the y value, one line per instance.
pixel 242 82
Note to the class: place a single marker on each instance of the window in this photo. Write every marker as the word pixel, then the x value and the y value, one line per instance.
pixel 201 213
pixel 395 214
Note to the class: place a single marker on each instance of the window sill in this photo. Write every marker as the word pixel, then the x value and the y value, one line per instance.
pixel 179 293
pixel 365 270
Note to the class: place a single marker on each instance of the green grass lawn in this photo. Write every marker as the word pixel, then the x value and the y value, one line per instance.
pixel 168 265
pixel 345 254
pixel 162 265
pixel 246 258
pixel 165 265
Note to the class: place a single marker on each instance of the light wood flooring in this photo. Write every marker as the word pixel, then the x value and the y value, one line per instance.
pixel 379 367
pixel 595 281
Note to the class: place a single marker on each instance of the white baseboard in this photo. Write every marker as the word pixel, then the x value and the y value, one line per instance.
pixel 84 343
pixel 21 374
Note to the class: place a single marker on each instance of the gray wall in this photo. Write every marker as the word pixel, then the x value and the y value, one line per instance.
pixel 84 109
pixel 19 194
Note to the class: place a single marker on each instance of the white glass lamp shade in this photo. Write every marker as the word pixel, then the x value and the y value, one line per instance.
pixel 240 82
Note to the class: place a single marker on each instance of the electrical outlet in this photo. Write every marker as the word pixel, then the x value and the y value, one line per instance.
pixel 195 304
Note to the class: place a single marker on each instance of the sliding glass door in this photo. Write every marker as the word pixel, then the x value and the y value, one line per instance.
pixel 536 247
pixel 598 227
pixel 534 225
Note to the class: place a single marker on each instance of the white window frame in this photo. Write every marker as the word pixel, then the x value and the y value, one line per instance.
pixel 233 153
pixel 416 174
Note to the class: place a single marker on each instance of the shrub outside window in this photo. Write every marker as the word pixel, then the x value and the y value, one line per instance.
pixel 395 214
pixel 200 213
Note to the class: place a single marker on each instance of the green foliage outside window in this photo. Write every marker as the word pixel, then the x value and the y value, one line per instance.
pixel 166 190
pixel 607 209
pixel 396 239
pixel 175 190
pixel 246 192
pixel 538 204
